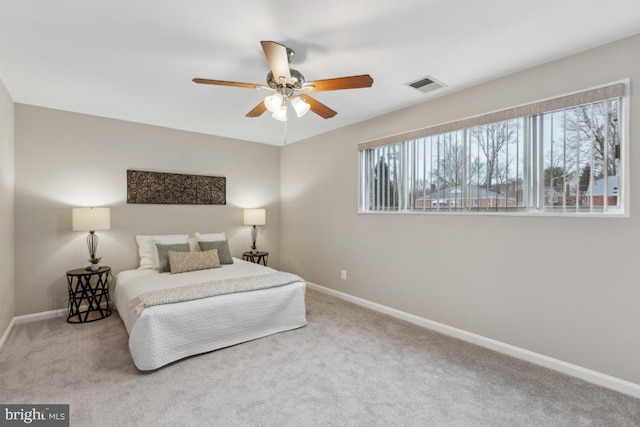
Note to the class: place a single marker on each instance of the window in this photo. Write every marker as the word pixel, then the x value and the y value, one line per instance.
pixel 555 156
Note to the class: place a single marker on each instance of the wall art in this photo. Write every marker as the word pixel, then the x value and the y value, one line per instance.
pixel 175 188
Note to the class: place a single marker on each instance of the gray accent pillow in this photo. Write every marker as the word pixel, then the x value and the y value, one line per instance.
pixel 163 254
pixel 224 254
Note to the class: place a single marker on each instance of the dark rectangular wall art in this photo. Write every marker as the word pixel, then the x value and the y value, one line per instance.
pixel 175 188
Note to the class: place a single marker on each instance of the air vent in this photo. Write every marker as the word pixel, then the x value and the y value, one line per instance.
pixel 426 84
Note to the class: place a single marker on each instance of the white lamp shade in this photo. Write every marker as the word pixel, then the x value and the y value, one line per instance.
pixel 281 114
pixel 91 219
pixel 300 106
pixel 255 217
pixel 273 102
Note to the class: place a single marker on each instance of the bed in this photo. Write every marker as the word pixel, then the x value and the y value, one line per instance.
pixel 163 333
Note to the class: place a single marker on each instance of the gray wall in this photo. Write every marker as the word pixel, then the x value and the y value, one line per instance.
pixel 563 287
pixel 65 160
pixel 7 191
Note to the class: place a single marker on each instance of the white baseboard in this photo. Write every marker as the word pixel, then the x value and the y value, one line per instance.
pixel 30 318
pixel 589 375
pixel 5 336
pixel 61 312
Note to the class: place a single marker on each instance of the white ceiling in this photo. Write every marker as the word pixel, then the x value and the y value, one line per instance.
pixel 134 59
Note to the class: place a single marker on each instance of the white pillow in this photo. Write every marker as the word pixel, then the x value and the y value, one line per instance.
pixel 210 237
pixel 149 252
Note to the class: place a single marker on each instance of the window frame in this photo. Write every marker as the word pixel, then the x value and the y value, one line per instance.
pixel 531 161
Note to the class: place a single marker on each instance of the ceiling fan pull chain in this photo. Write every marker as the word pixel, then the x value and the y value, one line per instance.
pixel 284 130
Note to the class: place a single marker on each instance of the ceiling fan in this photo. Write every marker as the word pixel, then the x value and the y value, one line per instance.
pixel 290 87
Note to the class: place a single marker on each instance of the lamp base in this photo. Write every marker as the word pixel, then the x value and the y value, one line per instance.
pixel 92 243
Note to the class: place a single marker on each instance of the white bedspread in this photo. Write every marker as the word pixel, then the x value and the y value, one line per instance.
pixel 164 333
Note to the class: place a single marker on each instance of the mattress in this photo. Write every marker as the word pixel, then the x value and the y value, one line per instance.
pixel 162 334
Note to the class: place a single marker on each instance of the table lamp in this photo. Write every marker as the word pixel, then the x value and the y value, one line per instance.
pixel 91 219
pixel 254 217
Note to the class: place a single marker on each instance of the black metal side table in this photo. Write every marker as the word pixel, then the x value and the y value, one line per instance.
pixel 91 288
pixel 256 257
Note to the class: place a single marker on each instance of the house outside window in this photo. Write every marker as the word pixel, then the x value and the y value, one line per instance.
pixel 561 156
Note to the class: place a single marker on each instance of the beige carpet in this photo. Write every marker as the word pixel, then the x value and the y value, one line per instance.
pixel 348 367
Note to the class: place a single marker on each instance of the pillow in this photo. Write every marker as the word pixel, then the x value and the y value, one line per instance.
pixel 224 254
pixel 148 251
pixel 163 254
pixel 193 244
pixel 210 237
pixel 191 261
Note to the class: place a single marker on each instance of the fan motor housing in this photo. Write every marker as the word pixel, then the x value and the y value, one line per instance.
pixel 297 79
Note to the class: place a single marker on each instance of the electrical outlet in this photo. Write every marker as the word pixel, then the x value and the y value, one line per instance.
pixel 343 274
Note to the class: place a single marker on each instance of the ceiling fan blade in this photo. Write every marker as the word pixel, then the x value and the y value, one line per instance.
pixel 318 107
pixel 225 83
pixel 352 82
pixel 258 110
pixel 278 60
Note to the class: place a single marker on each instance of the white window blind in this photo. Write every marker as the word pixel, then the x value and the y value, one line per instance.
pixel 561 155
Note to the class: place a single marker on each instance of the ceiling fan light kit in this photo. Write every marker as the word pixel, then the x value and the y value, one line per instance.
pixel 277 105
pixel 287 82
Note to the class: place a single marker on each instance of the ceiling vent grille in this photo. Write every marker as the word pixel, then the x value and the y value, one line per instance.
pixel 426 84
